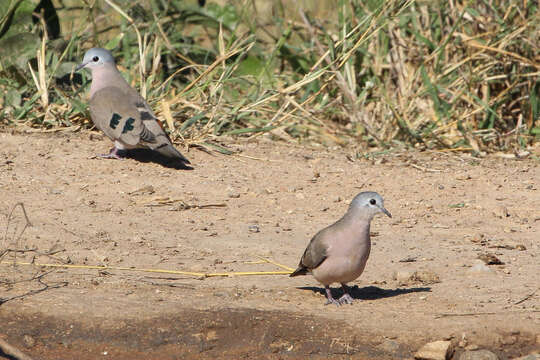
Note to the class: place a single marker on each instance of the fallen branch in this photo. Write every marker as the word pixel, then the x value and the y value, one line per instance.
pixel 12 351
pixel 526 297
pixel 10 216
pixel 34 292
pixel 438 316
pixel 424 169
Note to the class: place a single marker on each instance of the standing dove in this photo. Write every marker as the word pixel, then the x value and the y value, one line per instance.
pixel 339 252
pixel 120 112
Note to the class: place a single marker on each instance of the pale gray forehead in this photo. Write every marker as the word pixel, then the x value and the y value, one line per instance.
pixel 366 196
pixel 104 55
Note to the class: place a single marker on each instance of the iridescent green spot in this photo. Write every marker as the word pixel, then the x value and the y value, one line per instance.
pixel 115 120
pixel 128 126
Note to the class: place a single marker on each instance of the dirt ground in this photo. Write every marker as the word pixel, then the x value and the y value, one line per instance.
pixel 424 280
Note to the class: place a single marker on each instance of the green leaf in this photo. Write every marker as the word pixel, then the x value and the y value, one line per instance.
pixel 192 120
pixel 225 14
pixel 65 68
pixel 16 16
pixel 250 130
pixel 18 49
pixel 251 65
pixel 218 148
pixel 13 98
pixel 441 106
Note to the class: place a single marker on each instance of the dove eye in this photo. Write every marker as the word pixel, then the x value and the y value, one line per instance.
pixel 372 201
pixel 95 59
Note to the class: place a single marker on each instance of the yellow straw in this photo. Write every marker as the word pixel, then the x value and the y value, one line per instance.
pixel 163 271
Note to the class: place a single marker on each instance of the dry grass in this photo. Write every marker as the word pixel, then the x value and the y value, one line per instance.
pixel 445 75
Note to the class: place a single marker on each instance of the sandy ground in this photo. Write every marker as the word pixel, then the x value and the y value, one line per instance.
pixel 423 281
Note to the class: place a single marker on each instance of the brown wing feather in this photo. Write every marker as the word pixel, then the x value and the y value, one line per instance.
pixel 314 254
pixel 113 113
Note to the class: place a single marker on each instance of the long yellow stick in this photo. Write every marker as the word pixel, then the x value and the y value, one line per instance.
pixel 163 271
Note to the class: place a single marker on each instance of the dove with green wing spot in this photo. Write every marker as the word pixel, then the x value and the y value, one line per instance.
pixel 121 112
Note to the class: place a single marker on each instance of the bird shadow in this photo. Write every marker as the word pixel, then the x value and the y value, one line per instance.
pixel 149 156
pixel 368 292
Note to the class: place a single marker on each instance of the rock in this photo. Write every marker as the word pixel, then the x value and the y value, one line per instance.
pixel 29 341
pixel 478 355
pixel 437 350
pixel 508 340
pixel 254 229
pixel 479 238
pixel 232 193
pixel 463 176
pixel 390 346
pixel 479 267
pixel 501 212
pixel 402 277
pixel 424 277
pixel 490 259
pixel 281 345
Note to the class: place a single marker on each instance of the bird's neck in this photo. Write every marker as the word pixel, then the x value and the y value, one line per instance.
pixel 106 76
pixel 356 223
pixel 357 215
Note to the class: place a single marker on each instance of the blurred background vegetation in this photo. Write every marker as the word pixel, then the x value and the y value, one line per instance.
pixel 450 75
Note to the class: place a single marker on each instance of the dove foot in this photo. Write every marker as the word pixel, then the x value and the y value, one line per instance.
pixel 330 298
pixel 346 299
pixel 333 301
pixel 115 153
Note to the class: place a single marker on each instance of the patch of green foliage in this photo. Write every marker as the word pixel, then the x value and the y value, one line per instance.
pixel 431 74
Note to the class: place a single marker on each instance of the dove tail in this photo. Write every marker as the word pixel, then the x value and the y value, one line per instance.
pixel 170 151
pixel 300 271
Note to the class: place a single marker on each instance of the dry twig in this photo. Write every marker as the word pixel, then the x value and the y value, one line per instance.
pixel 12 351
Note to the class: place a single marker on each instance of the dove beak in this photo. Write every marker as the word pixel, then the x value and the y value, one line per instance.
pixel 80 66
pixel 386 212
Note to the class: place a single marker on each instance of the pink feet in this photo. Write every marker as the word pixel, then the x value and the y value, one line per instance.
pixel 345 299
pixel 330 298
pixel 115 153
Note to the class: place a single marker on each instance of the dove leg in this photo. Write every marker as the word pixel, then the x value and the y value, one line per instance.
pixel 115 153
pixel 331 300
pixel 346 298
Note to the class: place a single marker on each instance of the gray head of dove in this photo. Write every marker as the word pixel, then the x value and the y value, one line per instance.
pixel 368 204
pixel 96 58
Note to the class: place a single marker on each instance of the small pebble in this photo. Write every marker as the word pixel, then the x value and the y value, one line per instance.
pixel 478 355
pixel 480 267
pixel 490 259
pixel 29 341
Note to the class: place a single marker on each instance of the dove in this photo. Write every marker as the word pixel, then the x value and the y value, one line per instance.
pixel 339 252
pixel 121 112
